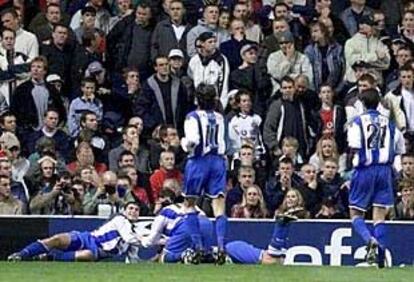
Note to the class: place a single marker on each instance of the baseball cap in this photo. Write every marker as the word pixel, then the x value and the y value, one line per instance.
pixel 53 78
pixel 285 36
pixel 367 19
pixel 176 53
pixel 361 64
pixel 94 67
pixel 247 47
pixel 205 36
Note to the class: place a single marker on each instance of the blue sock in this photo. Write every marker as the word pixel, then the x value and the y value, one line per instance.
pixel 172 257
pixel 63 256
pixel 279 236
pixel 194 229
pixel 221 229
pixel 380 234
pixel 33 249
pixel 361 228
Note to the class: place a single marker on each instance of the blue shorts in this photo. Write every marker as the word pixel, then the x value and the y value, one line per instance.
pixel 83 241
pixel 242 252
pixel 371 186
pixel 180 240
pixel 205 175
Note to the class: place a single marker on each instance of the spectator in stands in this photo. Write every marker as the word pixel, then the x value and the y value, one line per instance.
pixel 126 158
pixel 8 204
pixel 311 192
pixel 85 158
pixel 242 12
pixel 130 143
pixel 330 118
pixel 26 42
pixel 209 23
pixel 353 15
pixel 87 101
pixel 278 184
pixel 209 66
pixel 231 48
pixel 8 122
pixel 293 204
pixel 246 178
pixel 289 149
pixel 78 190
pixel 400 100
pixel 163 99
pixel 18 190
pixel 87 23
pixel 167 170
pixel 52 196
pixel 407 165
pixel 402 56
pixel 50 129
pixel 245 127
pixel 102 20
pixel 365 46
pixel 170 33
pixel 126 193
pixel 326 148
pixel 224 18
pixel 252 205
pixel 123 9
pixel 178 68
pixel 52 16
pixel 288 62
pixel 43 19
pixel 59 53
pixel 325 56
pixel 404 210
pixel 14 66
pixel 32 99
pixel 335 193
pixel 104 199
pixel 138 192
pixel 286 117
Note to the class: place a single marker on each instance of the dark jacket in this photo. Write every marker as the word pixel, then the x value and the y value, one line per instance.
pixel 23 105
pixel 163 39
pixel 150 105
pixel 231 49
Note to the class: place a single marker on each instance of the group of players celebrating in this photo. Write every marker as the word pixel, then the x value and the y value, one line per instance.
pixel 188 236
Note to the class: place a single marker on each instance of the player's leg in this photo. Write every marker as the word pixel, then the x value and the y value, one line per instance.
pixel 242 252
pixel 383 198
pixel 278 243
pixel 193 183
pixel 58 241
pixel 216 190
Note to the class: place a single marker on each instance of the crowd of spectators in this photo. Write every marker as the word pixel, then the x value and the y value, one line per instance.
pixel 94 94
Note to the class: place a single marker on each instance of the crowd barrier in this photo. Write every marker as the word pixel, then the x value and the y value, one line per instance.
pixel 312 242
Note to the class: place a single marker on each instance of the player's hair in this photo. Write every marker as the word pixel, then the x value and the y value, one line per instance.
pixel 206 96
pixel 370 98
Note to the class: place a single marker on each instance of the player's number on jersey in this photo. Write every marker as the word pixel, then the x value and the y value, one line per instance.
pixel 212 136
pixel 376 136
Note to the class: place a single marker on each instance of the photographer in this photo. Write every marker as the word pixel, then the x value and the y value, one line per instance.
pixel 104 199
pixel 54 194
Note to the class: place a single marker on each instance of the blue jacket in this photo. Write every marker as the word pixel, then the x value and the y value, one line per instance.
pixel 334 59
pixel 350 21
pixel 231 49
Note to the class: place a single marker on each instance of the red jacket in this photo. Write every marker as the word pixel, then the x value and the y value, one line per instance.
pixel 158 178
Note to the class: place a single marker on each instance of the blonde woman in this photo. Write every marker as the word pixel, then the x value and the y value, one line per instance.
pixel 327 148
pixel 252 205
pixel 293 204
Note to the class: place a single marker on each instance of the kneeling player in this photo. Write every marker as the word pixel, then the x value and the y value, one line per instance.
pixel 241 252
pixel 115 237
pixel 169 229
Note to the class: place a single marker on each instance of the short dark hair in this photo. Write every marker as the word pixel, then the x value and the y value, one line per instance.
pixel 206 96
pixel 7 29
pixel 11 11
pixel 406 67
pixel 4 115
pixel 88 9
pixel 52 5
pixel 87 80
pixel 56 25
pixel 159 57
pixel 240 93
pixel 368 78
pixel 87 38
pixel 84 114
pixel 126 153
pixel 287 79
pixel 370 98
pixel 286 160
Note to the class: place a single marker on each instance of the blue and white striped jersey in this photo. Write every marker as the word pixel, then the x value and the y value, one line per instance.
pixel 204 133
pixel 116 236
pixel 377 140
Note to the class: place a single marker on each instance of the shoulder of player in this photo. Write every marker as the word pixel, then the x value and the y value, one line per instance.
pixel 171 211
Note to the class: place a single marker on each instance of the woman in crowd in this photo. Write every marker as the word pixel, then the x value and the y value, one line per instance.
pixel 252 205
pixel 327 148
pixel 293 204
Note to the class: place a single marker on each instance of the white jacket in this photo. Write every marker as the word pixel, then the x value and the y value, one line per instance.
pixel 26 43
pixel 214 70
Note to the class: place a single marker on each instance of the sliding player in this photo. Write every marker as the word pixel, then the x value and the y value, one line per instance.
pixel 205 171
pixel 115 237
pixel 374 142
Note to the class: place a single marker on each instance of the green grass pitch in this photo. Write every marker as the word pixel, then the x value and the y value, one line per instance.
pixel 107 272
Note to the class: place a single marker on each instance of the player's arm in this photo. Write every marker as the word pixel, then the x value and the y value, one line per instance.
pixel 354 142
pixel 127 231
pixel 192 136
pixel 221 136
pixel 157 227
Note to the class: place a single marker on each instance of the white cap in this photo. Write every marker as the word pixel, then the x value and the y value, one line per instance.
pixel 176 53
pixel 53 78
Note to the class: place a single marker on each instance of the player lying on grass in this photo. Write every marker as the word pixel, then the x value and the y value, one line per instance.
pixel 242 252
pixel 115 237
pixel 170 229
